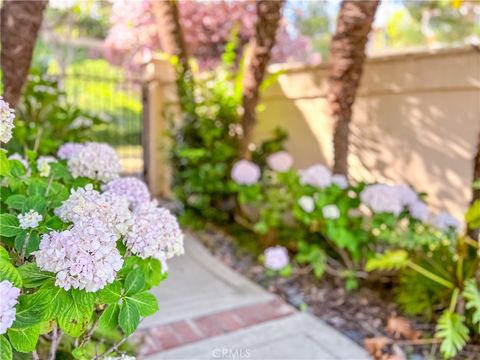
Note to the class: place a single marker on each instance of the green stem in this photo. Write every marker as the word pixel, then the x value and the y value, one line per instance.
pixel 453 301
pixel 431 275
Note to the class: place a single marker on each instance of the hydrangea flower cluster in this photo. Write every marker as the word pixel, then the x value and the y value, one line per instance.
pixel 307 203
pixel 340 180
pixel 122 357
pixel 445 221
pixel 276 257
pixel 245 172
pixel 331 212
pixel 95 161
pixel 132 188
pixel 43 165
pixel 154 233
pixel 419 210
pixel 67 150
pixel 83 257
pixel 8 300
pixel 383 198
pixel 86 205
pixel 6 121
pixel 280 161
pixel 316 175
pixel 29 219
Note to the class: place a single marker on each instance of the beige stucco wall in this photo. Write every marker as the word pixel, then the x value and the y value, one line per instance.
pixel 416 120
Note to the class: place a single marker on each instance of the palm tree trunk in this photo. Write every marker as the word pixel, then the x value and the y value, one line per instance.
pixel 20 22
pixel 268 19
pixel 173 43
pixel 347 55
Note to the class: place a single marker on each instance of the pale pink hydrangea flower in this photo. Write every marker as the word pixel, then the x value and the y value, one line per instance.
pixel 154 233
pixel 83 257
pixel 67 150
pixel 30 219
pixel 331 212
pixel 245 172
pixel 307 203
pixel 419 210
pixel 276 257
pixel 121 357
pixel 43 165
pixel 407 195
pixel 95 161
pixel 382 198
pixel 316 175
pixel 340 180
pixel 7 115
pixel 85 205
pixel 8 301
pixel 445 221
pixel 280 161
pixel 132 188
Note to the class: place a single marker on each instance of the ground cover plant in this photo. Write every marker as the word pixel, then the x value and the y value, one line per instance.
pixel 80 250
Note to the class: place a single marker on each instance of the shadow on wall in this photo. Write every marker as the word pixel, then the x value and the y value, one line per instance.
pixel 416 120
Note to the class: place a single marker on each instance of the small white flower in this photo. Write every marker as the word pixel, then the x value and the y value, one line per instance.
pixel 307 203
pixel 340 180
pixel 280 161
pixel 245 172
pixel 8 300
pixel 7 115
pixel 276 258
pixel 316 175
pixel 331 211
pixel 43 165
pixel 30 219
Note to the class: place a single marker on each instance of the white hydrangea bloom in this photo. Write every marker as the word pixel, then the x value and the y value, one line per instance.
pixel 276 257
pixel 307 203
pixel 245 172
pixel 83 257
pixel 316 175
pixel 122 357
pixel 154 233
pixel 18 157
pixel 445 221
pixel 81 122
pixel 86 204
pixel 132 188
pixel 95 161
pixel 67 150
pixel 340 180
pixel 8 301
pixel 407 195
pixel 419 210
pixel 331 211
pixel 30 219
pixel 7 115
pixel 382 198
pixel 280 161
pixel 43 165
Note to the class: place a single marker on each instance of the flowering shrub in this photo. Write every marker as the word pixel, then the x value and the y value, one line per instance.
pixel 80 250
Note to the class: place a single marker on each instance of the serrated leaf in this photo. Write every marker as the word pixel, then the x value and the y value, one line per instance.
pixel 152 269
pixel 146 303
pixel 20 240
pixel 8 225
pixel 109 319
pixel 452 330
pixel 25 339
pixel 10 273
pixel 4 254
pixel 75 318
pixel 30 310
pixel 134 282
pixel 15 201
pixel 390 260
pixel 472 297
pixel 5 349
pixel 129 317
pixel 37 187
pixel 32 276
pixel 111 293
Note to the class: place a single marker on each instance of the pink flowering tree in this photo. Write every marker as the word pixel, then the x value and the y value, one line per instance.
pixel 207 27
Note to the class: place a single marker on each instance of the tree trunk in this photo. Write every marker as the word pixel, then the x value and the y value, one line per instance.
pixel 268 19
pixel 347 54
pixel 476 172
pixel 173 43
pixel 20 22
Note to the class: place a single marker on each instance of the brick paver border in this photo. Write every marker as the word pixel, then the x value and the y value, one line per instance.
pixel 167 336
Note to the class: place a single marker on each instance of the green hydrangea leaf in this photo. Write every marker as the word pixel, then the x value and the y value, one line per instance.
pixel 9 225
pixel 5 349
pixel 129 317
pixel 145 302
pixel 24 340
pixel 109 319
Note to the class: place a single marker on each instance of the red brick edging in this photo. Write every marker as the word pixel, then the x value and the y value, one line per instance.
pixel 182 332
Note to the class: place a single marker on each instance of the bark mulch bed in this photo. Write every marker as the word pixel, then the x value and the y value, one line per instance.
pixel 366 313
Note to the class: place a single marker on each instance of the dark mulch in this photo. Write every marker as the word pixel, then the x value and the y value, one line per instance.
pixel 359 314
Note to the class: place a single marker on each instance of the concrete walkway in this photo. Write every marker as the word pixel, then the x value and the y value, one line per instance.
pixel 208 311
